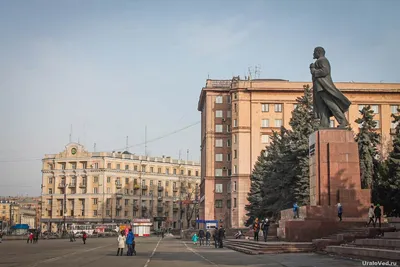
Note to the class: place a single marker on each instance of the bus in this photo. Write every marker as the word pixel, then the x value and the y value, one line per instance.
pixel 79 228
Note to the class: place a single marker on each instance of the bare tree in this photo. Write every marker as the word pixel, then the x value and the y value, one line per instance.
pixel 189 198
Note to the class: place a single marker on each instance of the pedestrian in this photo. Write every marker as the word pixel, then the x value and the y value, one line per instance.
pixel 339 211
pixel 1 236
pixel 84 236
pixel 195 238
pixel 265 228
pixel 130 241
pixel 371 216
pixel 378 214
pixel 30 238
pixel 295 210
pixel 215 236
pixel 221 236
pixel 256 229
pixel 208 237
pixel 121 243
pixel 201 236
pixel 36 237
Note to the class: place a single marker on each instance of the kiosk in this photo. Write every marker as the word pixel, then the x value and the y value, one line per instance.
pixel 141 227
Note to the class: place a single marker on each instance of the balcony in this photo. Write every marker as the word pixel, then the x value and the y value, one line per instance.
pixel 118 185
pixel 160 198
pixel 118 207
pixel 135 207
pixel 176 207
pixel 119 194
pixel 73 184
pixel 136 187
pixel 160 208
pixel 82 185
pixel 160 188
pixel 144 208
pixel 144 187
pixel 175 189
pixel 61 185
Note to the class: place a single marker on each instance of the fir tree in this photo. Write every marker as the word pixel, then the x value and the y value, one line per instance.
pixel 368 141
pixel 255 196
pixel 392 192
pixel 303 123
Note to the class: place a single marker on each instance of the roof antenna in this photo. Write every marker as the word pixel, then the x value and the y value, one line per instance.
pixel 127 147
pixel 145 140
pixel 94 147
pixel 70 134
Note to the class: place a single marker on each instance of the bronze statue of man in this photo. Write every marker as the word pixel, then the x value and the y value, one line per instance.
pixel 328 100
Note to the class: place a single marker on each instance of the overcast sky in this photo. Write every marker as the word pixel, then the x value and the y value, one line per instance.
pixel 111 67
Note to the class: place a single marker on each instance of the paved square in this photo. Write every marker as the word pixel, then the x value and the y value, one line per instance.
pixel 151 252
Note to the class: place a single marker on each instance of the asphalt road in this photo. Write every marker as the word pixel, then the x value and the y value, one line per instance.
pixel 151 252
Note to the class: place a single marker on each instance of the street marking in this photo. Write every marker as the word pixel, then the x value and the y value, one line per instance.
pixel 66 255
pixel 152 254
pixel 201 256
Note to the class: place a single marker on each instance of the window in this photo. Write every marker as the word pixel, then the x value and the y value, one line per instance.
pixel 108 190
pixel 295 106
pixel 73 166
pixel 182 172
pixel 234 187
pixel 228 203
pixel 159 170
pixel 219 157
pixel 95 213
pixel 235 96
pixel 126 180
pixel 197 173
pixel 50 191
pixel 143 168
pixel 228 114
pixel 377 125
pixel 228 99
pixel 219 100
pixel 219 188
pixel 360 107
pixel 235 169
pixel 228 128
pixel 278 107
pixel 118 166
pixel 375 108
pixel 126 202
pixel 264 107
pixel 234 202
pixel 151 169
pixel 332 124
pixel 167 171
pixel 235 154
pixel 235 123
pixel 218 203
pixel 219 114
pixel 235 107
pixel 135 168
pixel 108 179
pixel 218 128
pixel 393 109
pixel 278 123
pixel 95 179
pixel 265 123
pixel 95 190
pixel 95 200
pixel 219 143
pixel 126 167
pixel 229 172
pixel 264 138
pixel 175 171
pixel 151 182
pixel 218 172
pixel 228 157
pixel 228 142
pixel 234 138
pixel 50 180
pixel 189 173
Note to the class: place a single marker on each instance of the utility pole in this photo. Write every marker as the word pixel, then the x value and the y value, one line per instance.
pixel 65 207
pixel 145 141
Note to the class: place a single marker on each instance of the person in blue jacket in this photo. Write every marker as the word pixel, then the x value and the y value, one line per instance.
pixel 130 242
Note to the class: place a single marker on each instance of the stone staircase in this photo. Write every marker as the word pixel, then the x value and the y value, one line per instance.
pixel 349 235
pixel 386 247
pixel 270 247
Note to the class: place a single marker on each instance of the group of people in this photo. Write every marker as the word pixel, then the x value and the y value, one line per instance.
pixel 374 214
pixel 218 236
pixel 33 237
pixel 263 226
pixel 129 241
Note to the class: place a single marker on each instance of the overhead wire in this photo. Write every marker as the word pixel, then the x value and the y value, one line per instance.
pixel 135 145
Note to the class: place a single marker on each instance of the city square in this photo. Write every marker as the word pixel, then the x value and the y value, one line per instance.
pixel 151 252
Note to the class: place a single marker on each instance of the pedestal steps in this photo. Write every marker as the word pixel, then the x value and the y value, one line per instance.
pixel 261 247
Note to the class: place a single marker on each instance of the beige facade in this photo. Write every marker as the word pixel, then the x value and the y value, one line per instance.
pixel 103 187
pixel 28 216
pixel 237 117
pixel 9 209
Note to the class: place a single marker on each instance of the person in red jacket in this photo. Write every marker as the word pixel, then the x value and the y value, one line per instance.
pixel 84 236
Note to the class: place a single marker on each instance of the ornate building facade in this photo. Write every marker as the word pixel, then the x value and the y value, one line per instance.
pixel 102 187
pixel 237 118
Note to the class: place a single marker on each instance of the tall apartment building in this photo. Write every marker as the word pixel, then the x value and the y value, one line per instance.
pixel 237 118
pixel 102 187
